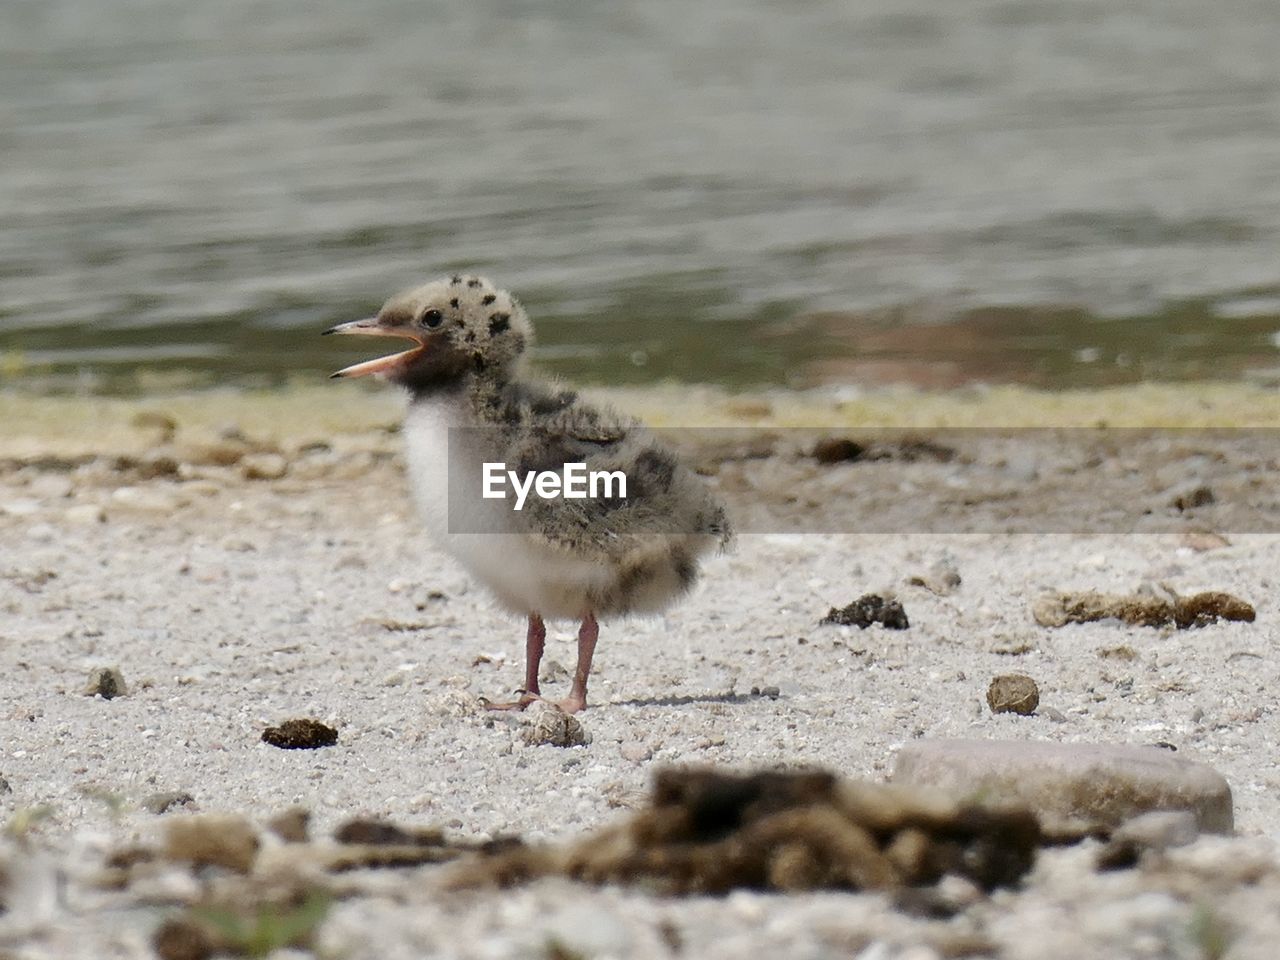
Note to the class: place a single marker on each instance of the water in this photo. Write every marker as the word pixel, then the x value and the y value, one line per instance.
pixel 740 192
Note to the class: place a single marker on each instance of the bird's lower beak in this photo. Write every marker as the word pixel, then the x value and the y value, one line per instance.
pixel 372 327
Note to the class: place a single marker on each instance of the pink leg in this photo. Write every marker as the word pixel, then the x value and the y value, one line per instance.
pixel 587 635
pixel 534 642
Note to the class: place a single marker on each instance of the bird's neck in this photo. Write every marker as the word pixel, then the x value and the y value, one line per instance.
pixel 480 396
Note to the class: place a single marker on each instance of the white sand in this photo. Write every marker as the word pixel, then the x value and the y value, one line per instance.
pixel 230 605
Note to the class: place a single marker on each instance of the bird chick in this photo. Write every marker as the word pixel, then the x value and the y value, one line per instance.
pixel 473 403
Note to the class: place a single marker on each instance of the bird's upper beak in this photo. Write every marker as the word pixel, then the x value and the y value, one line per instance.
pixel 373 327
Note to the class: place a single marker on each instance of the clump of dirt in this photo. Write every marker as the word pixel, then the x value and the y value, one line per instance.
pixel 305 734
pixel 869 609
pixel 1198 610
pixel 1013 693
pixel 706 832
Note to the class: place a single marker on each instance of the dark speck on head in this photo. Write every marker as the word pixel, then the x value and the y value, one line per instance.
pixel 473 282
pixel 454 303
pixel 488 298
pixel 498 323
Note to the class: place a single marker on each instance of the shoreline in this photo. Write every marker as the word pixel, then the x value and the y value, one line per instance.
pixel 62 423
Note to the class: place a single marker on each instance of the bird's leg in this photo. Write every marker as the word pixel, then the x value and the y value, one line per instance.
pixel 587 634
pixel 534 642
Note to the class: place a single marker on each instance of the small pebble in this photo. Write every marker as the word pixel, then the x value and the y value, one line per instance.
pixel 943 578
pixel 264 466
pixel 107 683
pixel 86 513
pixel 1013 693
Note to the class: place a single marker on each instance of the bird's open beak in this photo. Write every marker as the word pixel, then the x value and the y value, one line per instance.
pixel 372 327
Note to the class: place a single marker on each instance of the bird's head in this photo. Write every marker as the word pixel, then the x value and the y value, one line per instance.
pixel 460 326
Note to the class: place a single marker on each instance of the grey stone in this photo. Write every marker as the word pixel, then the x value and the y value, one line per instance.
pixel 1100 785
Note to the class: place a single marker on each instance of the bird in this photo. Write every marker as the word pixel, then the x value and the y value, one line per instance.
pixel 628 547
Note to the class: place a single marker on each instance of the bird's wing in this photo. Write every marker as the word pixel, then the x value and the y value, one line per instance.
pixel 661 497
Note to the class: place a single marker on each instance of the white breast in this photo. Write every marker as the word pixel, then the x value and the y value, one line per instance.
pixel 524 573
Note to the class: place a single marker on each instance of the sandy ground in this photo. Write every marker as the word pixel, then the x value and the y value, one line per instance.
pixel 232 603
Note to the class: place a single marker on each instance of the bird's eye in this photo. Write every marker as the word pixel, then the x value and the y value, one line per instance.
pixel 432 318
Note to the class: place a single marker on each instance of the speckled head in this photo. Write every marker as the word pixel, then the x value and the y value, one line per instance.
pixel 463 326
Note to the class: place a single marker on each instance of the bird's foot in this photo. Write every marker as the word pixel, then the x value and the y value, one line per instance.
pixel 572 704
pixel 526 698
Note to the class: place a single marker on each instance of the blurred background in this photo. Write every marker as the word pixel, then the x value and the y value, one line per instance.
pixel 1075 192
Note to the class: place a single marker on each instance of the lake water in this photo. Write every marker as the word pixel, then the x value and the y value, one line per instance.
pixel 1076 191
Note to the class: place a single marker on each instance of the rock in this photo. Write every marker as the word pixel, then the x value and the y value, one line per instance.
pixel 146 499
pixel 1202 541
pixel 164 424
pixel 221 840
pixel 88 514
pixel 585 930
pixel 1157 831
pixel 943 578
pixel 5 787
pixel 1199 497
pixel 1013 693
pixel 264 466
pixel 831 450
pixel 552 726
pixel 179 938
pixel 384 833
pixel 51 487
pixel 215 455
pixel 1100 785
pixel 155 466
pixel 159 803
pixel 868 609
pixel 107 683
pixel 304 734
pixel 635 751
pixel 1051 713
pixel 1198 610
pixel 709 832
pixel 291 826
pixel 21 507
